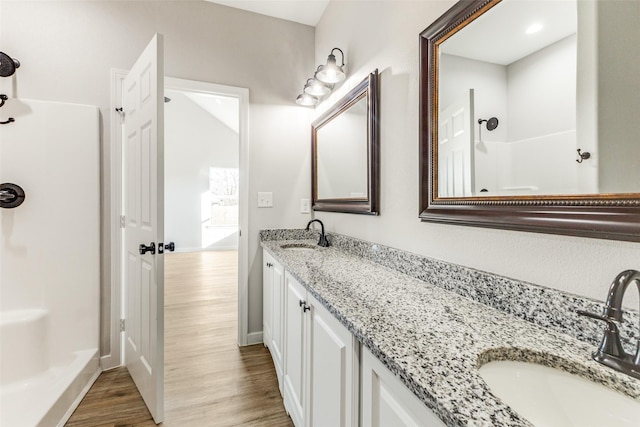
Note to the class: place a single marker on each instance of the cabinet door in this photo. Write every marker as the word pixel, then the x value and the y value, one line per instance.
pixel 388 402
pixel 277 321
pixel 332 400
pixel 267 297
pixel 294 372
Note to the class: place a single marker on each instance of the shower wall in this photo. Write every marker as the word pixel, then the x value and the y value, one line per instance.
pixel 50 245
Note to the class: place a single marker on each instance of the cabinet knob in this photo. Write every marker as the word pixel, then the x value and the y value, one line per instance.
pixel 306 308
pixel 269 264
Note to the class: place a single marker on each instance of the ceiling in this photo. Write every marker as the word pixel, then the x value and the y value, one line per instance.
pixel 306 12
pixel 223 108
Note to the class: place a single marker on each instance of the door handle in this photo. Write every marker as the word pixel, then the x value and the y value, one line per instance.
pixel 144 249
pixel 169 247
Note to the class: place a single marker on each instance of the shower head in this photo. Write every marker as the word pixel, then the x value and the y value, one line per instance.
pixel 492 123
pixel 8 65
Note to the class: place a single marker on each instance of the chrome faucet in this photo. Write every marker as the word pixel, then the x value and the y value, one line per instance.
pixel 323 239
pixel 611 353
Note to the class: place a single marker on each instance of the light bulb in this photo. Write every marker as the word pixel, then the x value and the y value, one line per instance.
pixel 306 100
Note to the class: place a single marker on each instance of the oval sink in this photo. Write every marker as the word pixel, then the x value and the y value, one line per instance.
pixel 302 247
pixel 549 397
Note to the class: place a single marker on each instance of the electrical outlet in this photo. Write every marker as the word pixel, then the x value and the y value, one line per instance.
pixel 305 206
pixel 265 199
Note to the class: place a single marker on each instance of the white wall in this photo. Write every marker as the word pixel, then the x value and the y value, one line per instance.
pixel 549 73
pixel 67 49
pixel 194 141
pixel 388 40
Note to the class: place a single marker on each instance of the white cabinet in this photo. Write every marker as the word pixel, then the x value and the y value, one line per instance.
pixel 273 312
pixel 333 375
pixel 294 390
pixel 321 363
pixel 387 402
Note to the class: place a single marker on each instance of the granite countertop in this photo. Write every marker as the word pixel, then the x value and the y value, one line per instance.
pixel 435 340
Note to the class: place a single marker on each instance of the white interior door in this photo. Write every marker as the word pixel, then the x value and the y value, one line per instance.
pixel 143 200
pixel 455 149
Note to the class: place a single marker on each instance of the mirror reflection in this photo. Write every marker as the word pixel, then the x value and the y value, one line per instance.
pixel 345 166
pixel 540 98
pixel 342 154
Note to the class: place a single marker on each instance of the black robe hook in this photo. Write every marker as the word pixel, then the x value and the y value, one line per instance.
pixel 583 156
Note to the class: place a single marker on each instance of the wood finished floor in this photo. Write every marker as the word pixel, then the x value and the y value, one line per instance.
pixel 209 380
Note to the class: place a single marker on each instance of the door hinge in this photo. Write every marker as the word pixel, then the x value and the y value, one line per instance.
pixel 122 222
pixel 121 325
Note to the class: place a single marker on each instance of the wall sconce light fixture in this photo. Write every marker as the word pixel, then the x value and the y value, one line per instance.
pixel 332 72
pixel 321 84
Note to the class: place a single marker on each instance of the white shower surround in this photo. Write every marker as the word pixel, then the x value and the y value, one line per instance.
pixel 49 261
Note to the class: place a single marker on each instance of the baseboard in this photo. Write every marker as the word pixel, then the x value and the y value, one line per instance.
pixel 92 377
pixel 254 338
pixel 106 363
pixel 78 400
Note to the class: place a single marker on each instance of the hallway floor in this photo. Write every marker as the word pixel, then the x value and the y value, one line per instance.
pixel 209 380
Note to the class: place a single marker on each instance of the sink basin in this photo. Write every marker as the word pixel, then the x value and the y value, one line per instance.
pixel 300 247
pixel 549 397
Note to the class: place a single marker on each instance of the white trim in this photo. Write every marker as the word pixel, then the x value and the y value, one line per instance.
pixel 117 305
pixel 106 363
pixel 78 399
pixel 254 338
pixel 114 358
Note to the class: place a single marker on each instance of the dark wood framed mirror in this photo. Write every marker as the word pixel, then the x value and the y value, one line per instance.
pixel 345 163
pixel 564 157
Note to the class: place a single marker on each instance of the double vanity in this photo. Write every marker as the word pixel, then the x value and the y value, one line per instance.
pixel 363 334
pixel 366 335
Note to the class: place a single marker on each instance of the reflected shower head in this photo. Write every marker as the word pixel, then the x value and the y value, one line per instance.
pixel 8 65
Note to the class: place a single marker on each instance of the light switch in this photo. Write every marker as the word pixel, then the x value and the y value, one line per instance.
pixel 305 206
pixel 265 199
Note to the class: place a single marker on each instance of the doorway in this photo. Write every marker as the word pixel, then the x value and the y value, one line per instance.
pixel 201 165
pixel 216 146
pixel 234 229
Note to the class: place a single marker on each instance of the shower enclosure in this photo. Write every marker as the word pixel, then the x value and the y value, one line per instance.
pixel 49 260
